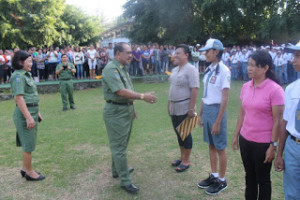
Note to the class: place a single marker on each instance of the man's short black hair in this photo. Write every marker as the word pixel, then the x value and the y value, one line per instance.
pixel 119 47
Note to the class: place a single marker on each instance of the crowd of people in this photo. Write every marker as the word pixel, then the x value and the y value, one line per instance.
pixel 146 60
pixel 267 114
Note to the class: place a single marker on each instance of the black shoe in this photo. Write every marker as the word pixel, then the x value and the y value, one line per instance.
pixel 131 188
pixel 23 173
pixel 64 109
pixel 28 178
pixel 217 187
pixel 130 169
pixel 72 107
pixel 207 182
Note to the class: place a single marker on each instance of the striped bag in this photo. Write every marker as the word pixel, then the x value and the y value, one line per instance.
pixel 186 126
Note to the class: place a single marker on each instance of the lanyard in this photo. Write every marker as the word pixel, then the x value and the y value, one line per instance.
pixel 207 80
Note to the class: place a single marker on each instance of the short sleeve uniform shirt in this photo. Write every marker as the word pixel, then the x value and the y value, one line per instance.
pixel 23 84
pixel 115 77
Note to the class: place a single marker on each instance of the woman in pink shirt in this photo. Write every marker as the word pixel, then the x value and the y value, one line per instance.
pixel 258 125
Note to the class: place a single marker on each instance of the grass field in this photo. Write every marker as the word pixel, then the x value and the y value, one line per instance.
pixel 73 152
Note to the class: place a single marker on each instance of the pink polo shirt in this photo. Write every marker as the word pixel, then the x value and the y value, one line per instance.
pixel 257 103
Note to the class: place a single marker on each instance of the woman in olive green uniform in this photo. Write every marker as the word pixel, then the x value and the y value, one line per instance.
pixel 26 114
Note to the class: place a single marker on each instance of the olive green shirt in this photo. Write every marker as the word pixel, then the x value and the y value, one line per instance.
pixel 65 74
pixel 22 84
pixel 115 77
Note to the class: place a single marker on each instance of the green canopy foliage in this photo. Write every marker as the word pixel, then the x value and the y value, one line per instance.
pixel 232 21
pixel 25 23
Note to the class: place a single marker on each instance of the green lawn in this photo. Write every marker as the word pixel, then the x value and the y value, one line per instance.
pixel 73 152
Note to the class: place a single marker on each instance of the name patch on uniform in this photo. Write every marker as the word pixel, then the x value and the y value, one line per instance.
pixel 228 78
pixel 117 75
pixel 18 79
pixel 213 79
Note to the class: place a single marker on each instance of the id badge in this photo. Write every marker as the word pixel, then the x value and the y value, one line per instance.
pixel 213 79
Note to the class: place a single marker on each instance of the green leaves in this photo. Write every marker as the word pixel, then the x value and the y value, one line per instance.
pixel 44 23
pixel 232 21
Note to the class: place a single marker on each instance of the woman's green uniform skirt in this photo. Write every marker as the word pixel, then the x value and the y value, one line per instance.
pixel 27 137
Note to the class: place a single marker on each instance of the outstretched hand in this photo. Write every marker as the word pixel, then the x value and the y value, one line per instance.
pixel 150 98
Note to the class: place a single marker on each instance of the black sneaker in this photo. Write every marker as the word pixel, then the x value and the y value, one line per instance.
pixel 207 182
pixel 217 187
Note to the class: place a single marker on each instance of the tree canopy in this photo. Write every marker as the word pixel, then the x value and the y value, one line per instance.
pixel 25 23
pixel 232 21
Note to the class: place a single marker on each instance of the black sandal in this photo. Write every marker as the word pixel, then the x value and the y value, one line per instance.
pixel 182 168
pixel 175 163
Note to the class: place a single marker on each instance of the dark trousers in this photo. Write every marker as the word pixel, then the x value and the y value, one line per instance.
pixel 188 142
pixel 257 172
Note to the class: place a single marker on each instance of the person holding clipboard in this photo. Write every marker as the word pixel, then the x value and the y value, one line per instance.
pixel 212 115
pixel 184 84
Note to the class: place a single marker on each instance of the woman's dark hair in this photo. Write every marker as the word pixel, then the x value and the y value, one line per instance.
pixel 219 56
pixel 19 58
pixel 263 59
pixel 186 49
pixel 64 55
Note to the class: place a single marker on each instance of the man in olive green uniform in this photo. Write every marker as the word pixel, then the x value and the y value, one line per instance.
pixel 119 112
pixel 65 71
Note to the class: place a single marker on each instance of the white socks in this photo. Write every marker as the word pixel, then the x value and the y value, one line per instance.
pixel 216 175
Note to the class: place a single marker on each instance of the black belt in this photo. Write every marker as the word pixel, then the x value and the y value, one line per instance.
pixel 118 103
pixel 31 104
pixel 180 100
pixel 295 139
pixel 64 79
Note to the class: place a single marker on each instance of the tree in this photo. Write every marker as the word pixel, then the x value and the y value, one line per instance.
pixel 30 22
pixel 40 23
pixel 78 28
pixel 232 21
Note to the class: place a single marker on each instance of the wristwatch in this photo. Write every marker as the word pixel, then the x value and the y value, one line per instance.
pixel 275 144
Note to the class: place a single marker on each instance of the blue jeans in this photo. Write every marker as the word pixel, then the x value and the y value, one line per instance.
pixel 245 71
pixel 285 76
pixel 278 71
pixel 234 68
pixel 79 68
pixel 135 67
pixel 291 176
pixel 292 75
pixel 157 69
pixel 164 65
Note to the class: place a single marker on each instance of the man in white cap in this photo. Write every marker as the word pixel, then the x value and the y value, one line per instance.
pixel 289 138
pixel 213 117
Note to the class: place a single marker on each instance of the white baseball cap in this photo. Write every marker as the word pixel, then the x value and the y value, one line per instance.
pixel 212 44
pixel 292 48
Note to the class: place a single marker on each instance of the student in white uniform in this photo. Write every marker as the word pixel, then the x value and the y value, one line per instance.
pixel 244 61
pixel 92 60
pixel 213 117
pixel 279 68
pixel 234 65
pixel 289 138
pixel 285 58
